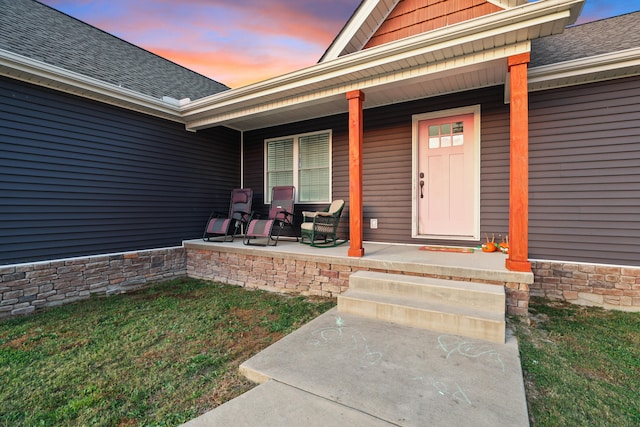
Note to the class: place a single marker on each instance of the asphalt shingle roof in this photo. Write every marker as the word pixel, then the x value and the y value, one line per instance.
pixel 590 39
pixel 34 30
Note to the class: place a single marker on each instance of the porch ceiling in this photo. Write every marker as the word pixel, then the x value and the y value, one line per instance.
pixel 459 57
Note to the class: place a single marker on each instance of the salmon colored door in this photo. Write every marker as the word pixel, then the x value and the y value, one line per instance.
pixel 447 181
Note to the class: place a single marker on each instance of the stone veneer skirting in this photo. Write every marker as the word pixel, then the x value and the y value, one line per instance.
pixel 611 287
pixel 315 274
pixel 24 288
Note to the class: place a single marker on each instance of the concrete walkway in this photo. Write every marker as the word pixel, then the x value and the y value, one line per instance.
pixel 345 370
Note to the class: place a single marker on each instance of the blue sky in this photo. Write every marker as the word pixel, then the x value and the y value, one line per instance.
pixel 238 42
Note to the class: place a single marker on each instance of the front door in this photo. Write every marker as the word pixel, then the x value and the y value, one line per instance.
pixel 447 177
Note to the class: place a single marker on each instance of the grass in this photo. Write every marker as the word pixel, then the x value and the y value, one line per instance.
pixel 581 365
pixel 167 354
pixel 157 357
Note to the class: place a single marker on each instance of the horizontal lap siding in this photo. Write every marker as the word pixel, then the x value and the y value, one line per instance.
pixel 387 174
pixel 494 170
pixel 79 177
pixel 585 173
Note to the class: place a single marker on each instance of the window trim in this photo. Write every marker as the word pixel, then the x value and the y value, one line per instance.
pixel 296 165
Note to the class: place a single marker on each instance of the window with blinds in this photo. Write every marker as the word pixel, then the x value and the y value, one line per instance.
pixel 303 161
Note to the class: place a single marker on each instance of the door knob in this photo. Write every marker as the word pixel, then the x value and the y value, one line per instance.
pixel 421 188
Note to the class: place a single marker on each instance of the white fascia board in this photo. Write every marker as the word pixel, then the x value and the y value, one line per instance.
pixel 40 73
pixel 353 27
pixel 557 75
pixel 528 15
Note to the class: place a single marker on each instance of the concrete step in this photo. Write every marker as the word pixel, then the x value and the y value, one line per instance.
pixel 468 309
pixel 470 294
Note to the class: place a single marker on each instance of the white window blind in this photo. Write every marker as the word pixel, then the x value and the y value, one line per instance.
pixel 279 163
pixel 313 170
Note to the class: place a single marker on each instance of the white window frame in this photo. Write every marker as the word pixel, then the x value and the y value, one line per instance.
pixel 296 165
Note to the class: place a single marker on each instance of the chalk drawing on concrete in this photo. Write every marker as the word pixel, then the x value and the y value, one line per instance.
pixel 454 345
pixel 341 335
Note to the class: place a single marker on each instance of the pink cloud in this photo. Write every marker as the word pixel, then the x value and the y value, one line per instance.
pixel 236 42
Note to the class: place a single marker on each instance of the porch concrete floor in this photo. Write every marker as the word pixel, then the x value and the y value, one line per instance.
pixel 394 257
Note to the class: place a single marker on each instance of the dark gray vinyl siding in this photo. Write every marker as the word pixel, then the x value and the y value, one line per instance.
pixel 387 163
pixel 585 173
pixel 79 177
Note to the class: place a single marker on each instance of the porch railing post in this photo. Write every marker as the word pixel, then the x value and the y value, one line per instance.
pixel 518 259
pixel 356 98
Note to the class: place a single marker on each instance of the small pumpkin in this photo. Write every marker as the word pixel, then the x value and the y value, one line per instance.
pixel 504 245
pixel 490 246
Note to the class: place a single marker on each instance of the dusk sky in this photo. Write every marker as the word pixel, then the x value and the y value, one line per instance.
pixel 238 42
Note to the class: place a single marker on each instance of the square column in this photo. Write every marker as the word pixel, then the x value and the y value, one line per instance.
pixel 518 259
pixel 356 98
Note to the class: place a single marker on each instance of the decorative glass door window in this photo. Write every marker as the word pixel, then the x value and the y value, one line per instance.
pixel 446 135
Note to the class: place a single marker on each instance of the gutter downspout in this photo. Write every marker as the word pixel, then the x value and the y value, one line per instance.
pixel 241 159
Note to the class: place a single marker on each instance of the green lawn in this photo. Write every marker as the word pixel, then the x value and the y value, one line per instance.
pixel 581 365
pixel 156 357
pixel 164 355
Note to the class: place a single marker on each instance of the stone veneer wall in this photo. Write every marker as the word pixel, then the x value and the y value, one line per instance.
pixel 297 274
pixel 605 286
pixel 24 288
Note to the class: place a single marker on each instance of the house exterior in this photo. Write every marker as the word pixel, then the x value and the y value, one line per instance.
pixel 444 121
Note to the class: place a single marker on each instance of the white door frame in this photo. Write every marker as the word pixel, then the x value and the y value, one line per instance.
pixel 475 110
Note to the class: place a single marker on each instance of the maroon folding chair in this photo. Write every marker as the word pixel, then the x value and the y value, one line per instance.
pixel 237 219
pixel 280 215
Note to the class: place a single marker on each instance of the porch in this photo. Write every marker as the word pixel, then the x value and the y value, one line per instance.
pixel 291 267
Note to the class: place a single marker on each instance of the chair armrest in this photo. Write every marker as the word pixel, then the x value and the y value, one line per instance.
pixel 308 214
pixel 243 214
pixel 216 214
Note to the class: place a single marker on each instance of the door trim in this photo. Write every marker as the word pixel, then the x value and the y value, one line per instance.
pixel 475 110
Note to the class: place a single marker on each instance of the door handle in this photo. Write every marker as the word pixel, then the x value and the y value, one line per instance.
pixel 421 189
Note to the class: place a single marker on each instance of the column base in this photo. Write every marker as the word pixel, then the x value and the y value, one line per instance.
pixel 356 252
pixel 522 266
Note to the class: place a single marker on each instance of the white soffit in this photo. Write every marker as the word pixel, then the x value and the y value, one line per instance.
pixel 481 69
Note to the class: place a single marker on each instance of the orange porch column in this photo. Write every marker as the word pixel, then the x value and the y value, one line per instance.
pixel 518 259
pixel 356 98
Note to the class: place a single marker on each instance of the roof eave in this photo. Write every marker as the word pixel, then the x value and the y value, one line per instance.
pixel 553 15
pixel 42 74
pixel 614 65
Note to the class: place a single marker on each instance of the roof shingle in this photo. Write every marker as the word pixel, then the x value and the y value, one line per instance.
pixel 590 39
pixel 37 31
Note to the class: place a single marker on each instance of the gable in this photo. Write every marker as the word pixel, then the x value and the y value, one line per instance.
pixel 412 17
pixel 370 15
